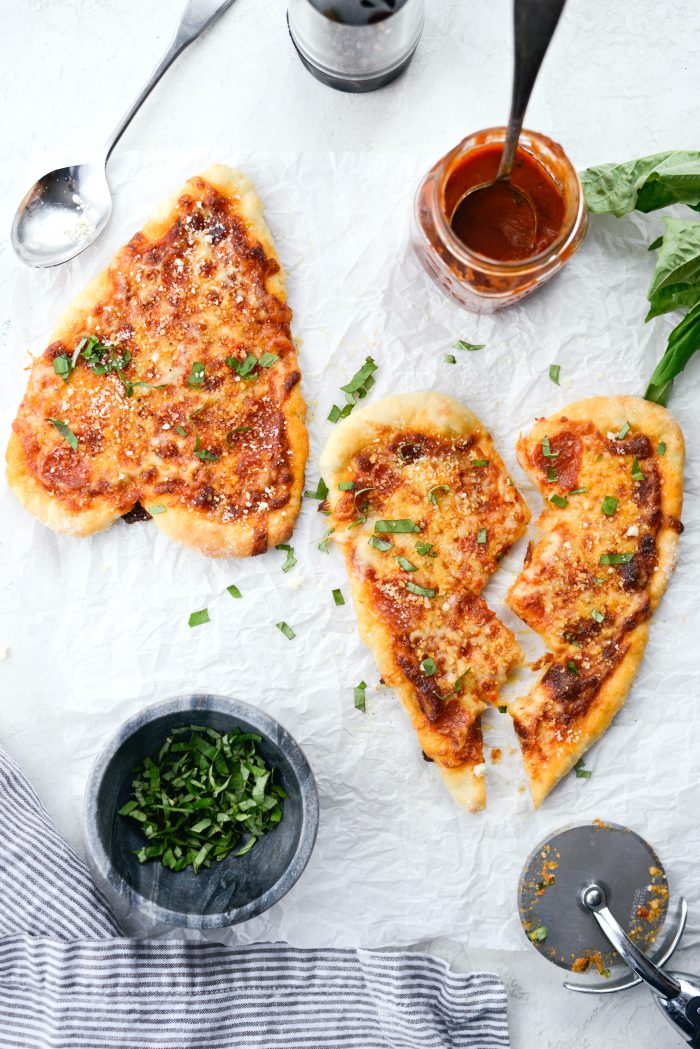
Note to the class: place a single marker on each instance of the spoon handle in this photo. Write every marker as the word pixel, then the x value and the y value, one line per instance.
pixel 197 16
pixel 534 22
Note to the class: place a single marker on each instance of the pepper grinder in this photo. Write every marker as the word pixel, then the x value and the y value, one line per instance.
pixel 355 45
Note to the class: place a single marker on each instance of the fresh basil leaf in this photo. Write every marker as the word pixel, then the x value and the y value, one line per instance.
pixel 676 279
pixel 551 474
pixel 615 559
pixel 346 486
pixel 597 616
pixel 547 449
pixel 539 934
pixel 480 463
pixel 324 543
pixel 267 360
pixel 609 505
pixel 644 184
pixel 360 699
pixel 559 501
pixel 338 597
pixel 426 549
pixel 62 366
pixel 199 618
pixel 578 491
pixel 202 453
pixel 581 771
pixel 428 666
pixel 157 508
pixel 481 537
pixel 233 590
pixel 661 448
pixel 682 343
pixel 637 474
pixel 432 494
pixel 66 433
pixel 181 431
pixel 285 629
pixel 554 370
pixel 449 358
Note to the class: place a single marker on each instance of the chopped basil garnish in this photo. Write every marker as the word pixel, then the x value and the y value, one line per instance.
pixel 360 696
pixel 503 709
pixel 428 666
pixel 609 505
pixel 598 616
pixel 290 560
pixel 426 549
pixel 624 431
pixel 399 525
pixel 637 474
pixel 569 637
pixel 551 474
pixel 202 453
pixel 62 366
pixel 233 590
pixel 181 431
pixel 103 359
pixel 323 544
pixel 559 501
pixel 267 360
pixel 598 580
pixel 363 506
pixel 615 559
pixel 196 798
pixel 236 430
pixel 157 508
pixel 286 630
pixel 355 390
pixel 243 368
pixel 480 462
pixel 661 448
pixel 196 377
pixel 380 544
pixel 197 411
pixel 571 667
pixel 547 449
pixel 481 537
pixel 459 683
pixel 432 494
pixel 198 618
pixel 470 346
pixel 578 491
pixel 405 564
pixel 66 433
pixel 421 591
pixel 581 771
pixel 554 370
pixel 346 486
pixel 539 934
pixel 450 358
pixel 338 597
pixel 320 493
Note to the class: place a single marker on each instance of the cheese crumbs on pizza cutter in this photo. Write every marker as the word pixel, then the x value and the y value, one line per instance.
pixel 424 510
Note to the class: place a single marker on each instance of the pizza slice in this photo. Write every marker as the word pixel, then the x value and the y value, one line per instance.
pixel 611 471
pixel 423 509
pixel 172 384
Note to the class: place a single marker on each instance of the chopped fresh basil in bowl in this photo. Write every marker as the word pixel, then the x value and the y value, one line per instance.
pixel 201 811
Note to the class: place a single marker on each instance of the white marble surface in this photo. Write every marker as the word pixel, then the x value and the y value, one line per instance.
pixel 620 81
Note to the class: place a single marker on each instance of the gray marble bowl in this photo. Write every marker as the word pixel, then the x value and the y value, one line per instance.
pixel 228 892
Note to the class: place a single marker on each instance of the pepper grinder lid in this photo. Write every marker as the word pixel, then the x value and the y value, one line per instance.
pixel 356 45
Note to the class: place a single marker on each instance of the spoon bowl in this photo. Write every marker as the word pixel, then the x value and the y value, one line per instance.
pixel 62 214
pixel 499 215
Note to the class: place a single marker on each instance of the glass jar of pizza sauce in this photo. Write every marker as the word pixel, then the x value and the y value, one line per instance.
pixel 478 271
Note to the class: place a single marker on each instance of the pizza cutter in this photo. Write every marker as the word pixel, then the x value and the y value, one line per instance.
pixel 593 898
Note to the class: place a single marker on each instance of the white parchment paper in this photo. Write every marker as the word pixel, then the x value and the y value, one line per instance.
pixel 100 624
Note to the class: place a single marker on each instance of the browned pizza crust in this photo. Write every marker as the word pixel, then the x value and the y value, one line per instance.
pixel 217 456
pixel 425 459
pixel 625 456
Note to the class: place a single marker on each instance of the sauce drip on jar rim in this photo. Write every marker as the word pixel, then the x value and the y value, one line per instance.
pixel 496 222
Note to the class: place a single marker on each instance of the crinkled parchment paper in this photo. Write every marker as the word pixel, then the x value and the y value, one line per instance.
pixel 105 619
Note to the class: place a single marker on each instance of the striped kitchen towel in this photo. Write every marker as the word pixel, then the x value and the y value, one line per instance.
pixel 70 980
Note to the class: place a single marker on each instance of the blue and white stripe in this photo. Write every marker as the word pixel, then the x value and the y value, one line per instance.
pixel 69 979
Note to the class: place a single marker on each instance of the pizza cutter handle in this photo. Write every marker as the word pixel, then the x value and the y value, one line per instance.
pixel 197 16
pixel 594 899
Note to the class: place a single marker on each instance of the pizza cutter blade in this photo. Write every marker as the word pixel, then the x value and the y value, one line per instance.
pixel 594 897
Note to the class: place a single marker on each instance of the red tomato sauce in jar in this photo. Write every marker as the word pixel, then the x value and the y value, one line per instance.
pixel 496 222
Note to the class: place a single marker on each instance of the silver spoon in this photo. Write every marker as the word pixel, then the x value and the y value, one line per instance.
pixel 66 210
pixel 534 23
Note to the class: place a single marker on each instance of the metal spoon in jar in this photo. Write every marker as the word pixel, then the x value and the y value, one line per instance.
pixel 534 24
pixel 66 210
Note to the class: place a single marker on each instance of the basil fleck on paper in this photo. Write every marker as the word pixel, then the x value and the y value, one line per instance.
pixel 120 638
